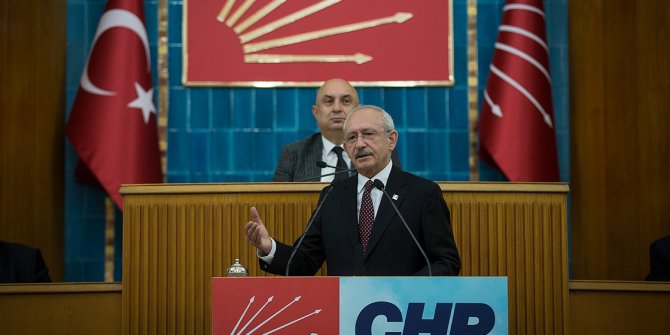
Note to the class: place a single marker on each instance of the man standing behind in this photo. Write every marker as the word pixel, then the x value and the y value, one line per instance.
pixel 357 231
pixel 298 160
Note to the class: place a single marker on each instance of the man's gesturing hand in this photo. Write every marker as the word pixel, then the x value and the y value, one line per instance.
pixel 257 234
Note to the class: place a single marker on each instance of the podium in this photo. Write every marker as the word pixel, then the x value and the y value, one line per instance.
pixel 359 305
pixel 177 237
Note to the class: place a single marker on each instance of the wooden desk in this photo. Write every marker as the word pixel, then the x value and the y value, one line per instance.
pixel 619 307
pixel 61 308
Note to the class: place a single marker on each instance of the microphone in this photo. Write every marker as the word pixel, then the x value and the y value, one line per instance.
pixel 380 185
pixel 323 164
pixel 309 224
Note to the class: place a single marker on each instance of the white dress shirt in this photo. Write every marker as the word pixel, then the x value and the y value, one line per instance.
pixel 375 193
pixel 330 158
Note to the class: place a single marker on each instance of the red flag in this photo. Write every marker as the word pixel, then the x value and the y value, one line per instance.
pixel 516 126
pixel 113 121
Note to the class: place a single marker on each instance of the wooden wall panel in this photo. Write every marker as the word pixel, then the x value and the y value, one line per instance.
pixel 32 98
pixel 60 309
pixel 620 76
pixel 609 307
pixel 176 237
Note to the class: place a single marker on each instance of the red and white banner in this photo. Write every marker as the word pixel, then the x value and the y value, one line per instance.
pixel 359 305
pixel 516 121
pixel 112 126
pixel 304 42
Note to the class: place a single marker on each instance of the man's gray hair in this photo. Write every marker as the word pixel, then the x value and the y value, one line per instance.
pixel 386 117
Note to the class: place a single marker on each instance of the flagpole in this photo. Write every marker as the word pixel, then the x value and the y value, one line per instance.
pixel 163 83
pixel 473 87
pixel 109 239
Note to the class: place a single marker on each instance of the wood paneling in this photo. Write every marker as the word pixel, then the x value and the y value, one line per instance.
pixel 32 98
pixel 176 237
pixel 605 307
pixel 72 308
pixel 620 144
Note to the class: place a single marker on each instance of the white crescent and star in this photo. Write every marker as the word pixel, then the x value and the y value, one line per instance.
pixel 120 18
pixel 144 101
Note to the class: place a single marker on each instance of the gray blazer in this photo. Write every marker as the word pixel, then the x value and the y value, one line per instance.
pixel 298 159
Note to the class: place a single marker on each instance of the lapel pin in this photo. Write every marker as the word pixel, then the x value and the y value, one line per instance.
pixel 395 197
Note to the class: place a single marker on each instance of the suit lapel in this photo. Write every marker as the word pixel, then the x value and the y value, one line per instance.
pixel 314 154
pixel 349 212
pixel 396 188
pixel 308 155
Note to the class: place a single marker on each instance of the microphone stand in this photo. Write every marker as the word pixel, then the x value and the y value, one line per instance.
pixel 309 224
pixel 380 185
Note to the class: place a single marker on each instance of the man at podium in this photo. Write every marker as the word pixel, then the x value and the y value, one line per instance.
pixel 381 222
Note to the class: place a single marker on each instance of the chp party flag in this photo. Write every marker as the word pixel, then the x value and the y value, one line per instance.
pixel 112 126
pixel 516 126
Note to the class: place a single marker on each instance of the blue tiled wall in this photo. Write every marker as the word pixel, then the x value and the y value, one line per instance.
pixel 235 134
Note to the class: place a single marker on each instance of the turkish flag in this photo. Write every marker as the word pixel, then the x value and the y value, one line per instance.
pixel 516 121
pixel 113 121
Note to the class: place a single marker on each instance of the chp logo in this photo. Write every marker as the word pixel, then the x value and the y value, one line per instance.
pixel 300 42
pixel 448 318
pixel 260 306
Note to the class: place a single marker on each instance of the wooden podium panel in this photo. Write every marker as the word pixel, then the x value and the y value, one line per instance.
pixel 176 237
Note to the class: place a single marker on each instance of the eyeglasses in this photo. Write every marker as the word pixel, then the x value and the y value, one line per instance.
pixel 366 135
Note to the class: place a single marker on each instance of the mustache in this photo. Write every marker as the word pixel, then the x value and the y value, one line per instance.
pixel 362 152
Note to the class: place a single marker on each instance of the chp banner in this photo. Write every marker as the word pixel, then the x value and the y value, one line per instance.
pixel 359 305
pixel 516 121
pixel 112 126
pixel 304 42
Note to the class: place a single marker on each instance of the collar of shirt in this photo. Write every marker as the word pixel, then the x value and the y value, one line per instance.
pixel 330 158
pixel 375 194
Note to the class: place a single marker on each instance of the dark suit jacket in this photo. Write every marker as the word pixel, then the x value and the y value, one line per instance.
pixel 334 236
pixel 298 160
pixel 659 259
pixel 22 264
